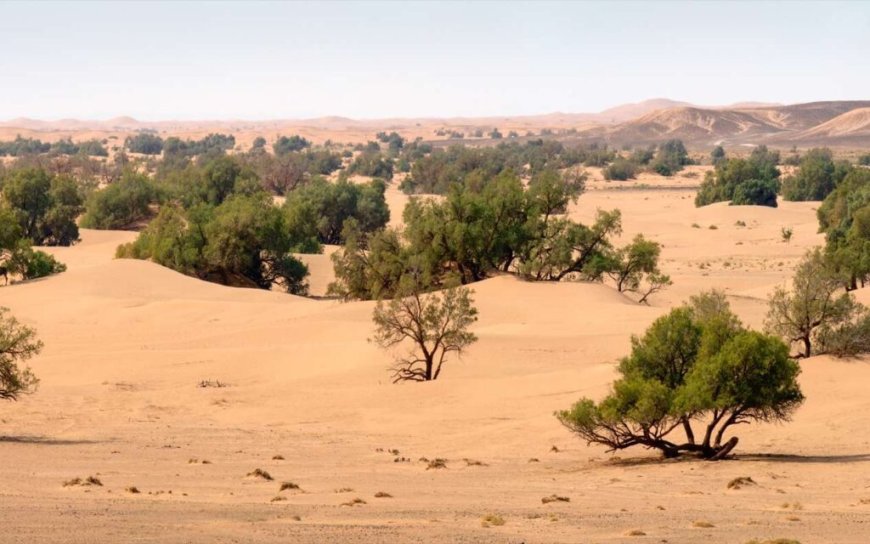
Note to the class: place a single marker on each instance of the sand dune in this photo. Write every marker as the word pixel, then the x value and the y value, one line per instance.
pixel 127 343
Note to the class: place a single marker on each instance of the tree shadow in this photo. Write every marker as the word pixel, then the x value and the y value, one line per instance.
pixel 789 458
pixel 45 441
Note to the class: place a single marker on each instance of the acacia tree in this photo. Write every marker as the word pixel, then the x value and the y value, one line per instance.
pixel 18 343
pixel 815 304
pixel 436 324
pixel 697 364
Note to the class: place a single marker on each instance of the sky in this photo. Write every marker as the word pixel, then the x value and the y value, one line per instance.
pixel 290 60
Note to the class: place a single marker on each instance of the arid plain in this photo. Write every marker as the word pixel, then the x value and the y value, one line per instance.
pixel 308 399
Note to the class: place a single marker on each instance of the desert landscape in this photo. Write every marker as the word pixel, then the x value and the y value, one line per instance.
pixel 366 272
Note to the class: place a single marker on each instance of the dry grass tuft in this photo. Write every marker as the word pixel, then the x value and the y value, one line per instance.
pixel 260 473
pixel 354 502
pixel 383 495
pixel 703 524
pixel 133 489
pixel 635 532
pixel 741 482
pixel 288 485
pixel 492 520
pixel 277 457
pixel 437 463
pixel 90 480
pixel 277 498
pixel 555 498
pixel 774 541
pixel 344 490
pixel 474 463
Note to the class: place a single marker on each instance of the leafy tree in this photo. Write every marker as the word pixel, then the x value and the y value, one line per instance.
pixel 435 324
pixel 46 206
pixel 245 241
pixel 286 144
pixel 18 344
pixel 32 264
pixel 759 173
pixel 145 143
pixel 697 364
pixel 717 155
pixel 121 204
pixel 329 205
pixel 844 217
pixel 815 305
pixel 635 263
pixel 620 169
pixel 259 144
pixel 755 192
pixel 670 158
pixel 372 164
pixel 816 177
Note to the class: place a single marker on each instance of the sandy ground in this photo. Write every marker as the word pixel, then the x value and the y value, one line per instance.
pixel 127 343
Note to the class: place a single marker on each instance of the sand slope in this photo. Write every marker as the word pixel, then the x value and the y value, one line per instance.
pixel 127 342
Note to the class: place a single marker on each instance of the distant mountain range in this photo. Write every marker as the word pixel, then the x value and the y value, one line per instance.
pixel 833 123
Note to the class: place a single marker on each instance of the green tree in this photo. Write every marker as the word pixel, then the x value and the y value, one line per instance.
pixel 18 344
pixel 122 204
pixel 436 325
pixel 46 206
pixel 695 365
pixel 816 177
pixel 815 304
pixel 145 143
pixel 286 144
pixel 635 268
pixel 717 155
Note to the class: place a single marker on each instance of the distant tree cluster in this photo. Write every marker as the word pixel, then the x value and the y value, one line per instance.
pixel 844 217
pixel 215 144
pixel 20 147
pixel 122 204
pixel 695 374
pixel 750 181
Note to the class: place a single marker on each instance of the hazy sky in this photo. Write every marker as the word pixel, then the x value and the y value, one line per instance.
pixel 253 60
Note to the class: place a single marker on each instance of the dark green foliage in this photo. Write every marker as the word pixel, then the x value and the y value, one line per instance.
pixel 864 160
pixel 213 144
pixel 18 344
pixel 635 268
pixel 436 172
pixel 259 144
pixel 844 217
pixel 755 192
pixel 393 140
pixel 717 155
pixel 722 183
pixel 145 143
pixel 286 144
pixel 45 206
pixel 620 169
pixel 372 164
pixel 670 158
pixel 244 241
pixel 23 146
pixel 281 174
pixel 697 364
pixel 328 206
pixel 121 204
pixel 31 264
pixel 816 177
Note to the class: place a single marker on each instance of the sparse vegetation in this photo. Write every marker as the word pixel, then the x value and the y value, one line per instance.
pixel 260 473
pixel 18 344
pixel 492 520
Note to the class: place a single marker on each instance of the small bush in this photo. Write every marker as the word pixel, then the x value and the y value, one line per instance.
pixel 260 473
pixel 740 482
pixel 289 485
pixel 383 495
pixel 555 498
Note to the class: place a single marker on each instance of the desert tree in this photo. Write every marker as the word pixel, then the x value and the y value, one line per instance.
pixel 435 324
pixel 695 373
pixel 18 343
pixel 816 302
pixel 635 268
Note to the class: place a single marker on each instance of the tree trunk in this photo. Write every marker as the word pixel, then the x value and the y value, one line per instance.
pixel 808 351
